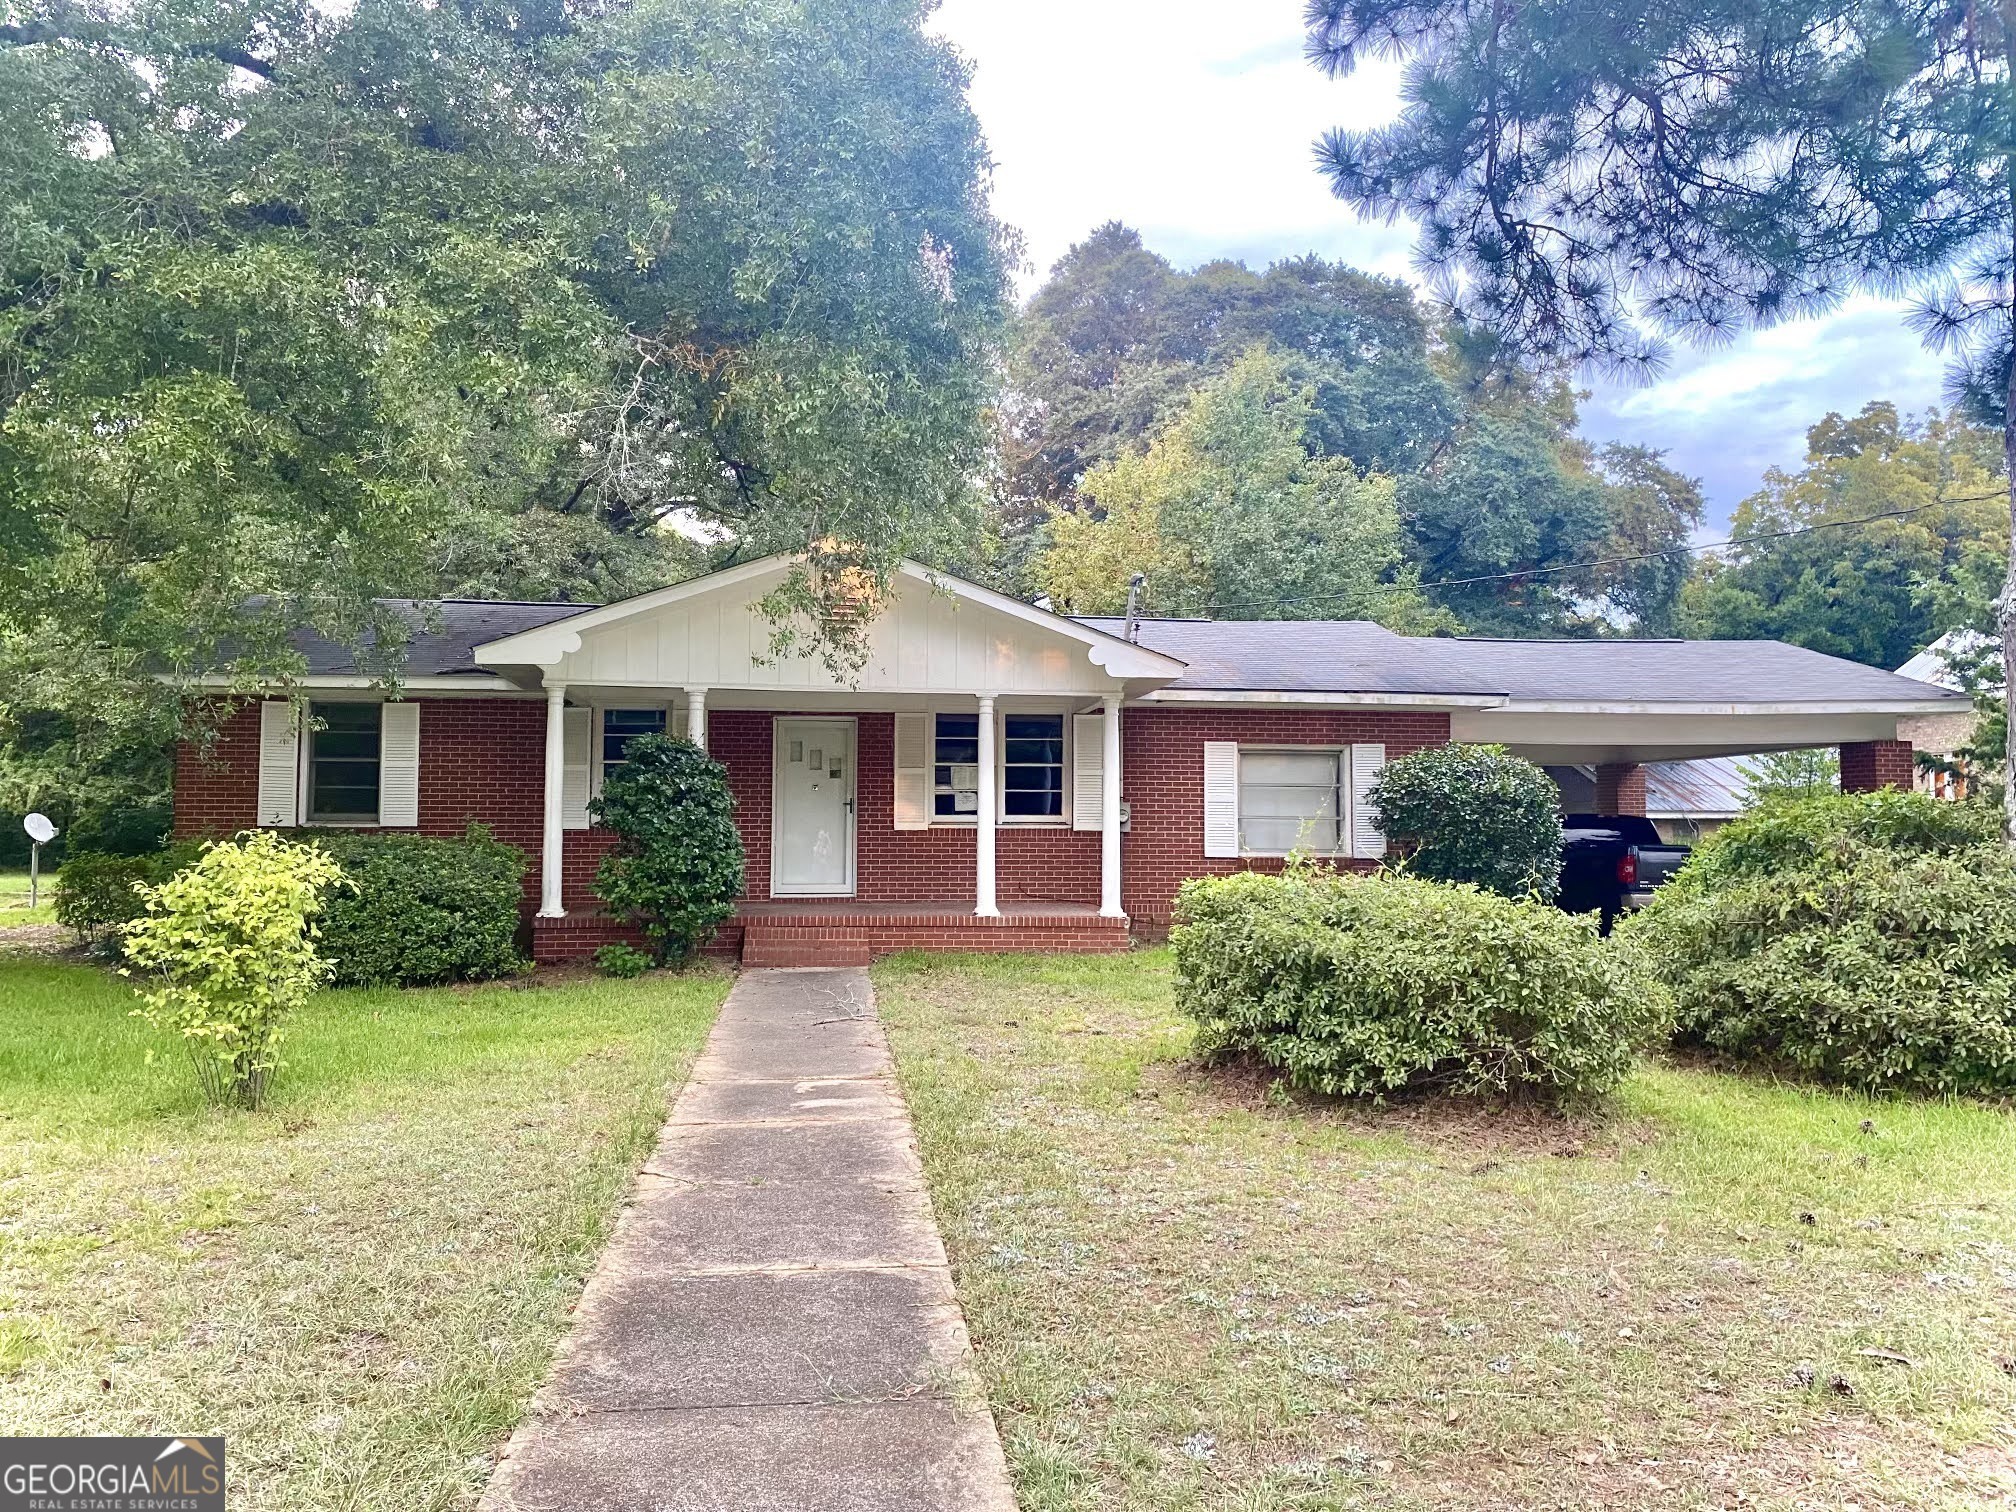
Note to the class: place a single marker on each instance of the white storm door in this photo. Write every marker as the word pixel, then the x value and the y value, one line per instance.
pixel 812 809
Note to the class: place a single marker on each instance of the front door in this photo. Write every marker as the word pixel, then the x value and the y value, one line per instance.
pixel 812 810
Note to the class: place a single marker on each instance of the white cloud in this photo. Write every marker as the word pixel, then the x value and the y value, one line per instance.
pixel 1195 122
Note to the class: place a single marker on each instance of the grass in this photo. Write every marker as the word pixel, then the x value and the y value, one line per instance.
pixel 360 1286
pixel 14 909
pixel 1188 1289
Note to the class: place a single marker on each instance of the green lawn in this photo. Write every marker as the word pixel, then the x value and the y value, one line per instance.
pixel 14 909
pixel 1189 1290
pixel 359 1287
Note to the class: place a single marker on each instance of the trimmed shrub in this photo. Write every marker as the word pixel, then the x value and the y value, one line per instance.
pixel 1473 813
pixel 1360 985
pixel 422 909
pixel 98 894
pixel 676 868
pixel 230 943
pixel 1863 939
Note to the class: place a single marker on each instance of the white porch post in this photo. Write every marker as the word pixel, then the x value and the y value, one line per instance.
pixel 551 845
pixel 1109 816
pixel 983 834
pixel 696 716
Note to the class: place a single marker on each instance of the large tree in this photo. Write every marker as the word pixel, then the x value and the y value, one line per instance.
pixel 1877 593
pixel 1231 512
pixel 1491 476
pixel 1591 178
pixel 303 304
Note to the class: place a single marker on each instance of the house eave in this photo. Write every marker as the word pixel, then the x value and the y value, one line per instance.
pixel 1301 698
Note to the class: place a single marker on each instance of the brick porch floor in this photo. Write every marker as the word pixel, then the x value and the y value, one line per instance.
pixel 843 932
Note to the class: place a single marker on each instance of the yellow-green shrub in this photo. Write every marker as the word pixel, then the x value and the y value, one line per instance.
pixel 230 944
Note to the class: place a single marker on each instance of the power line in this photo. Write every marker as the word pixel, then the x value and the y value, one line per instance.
pixel 1618 561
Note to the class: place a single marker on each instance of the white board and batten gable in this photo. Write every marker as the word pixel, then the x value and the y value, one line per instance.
pixel 935 635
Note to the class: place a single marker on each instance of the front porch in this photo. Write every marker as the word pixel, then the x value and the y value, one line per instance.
pixel 848 932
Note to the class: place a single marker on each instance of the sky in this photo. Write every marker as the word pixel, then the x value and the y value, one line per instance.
pixel 1194 122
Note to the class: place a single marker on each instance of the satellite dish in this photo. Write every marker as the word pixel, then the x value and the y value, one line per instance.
pixel 40 830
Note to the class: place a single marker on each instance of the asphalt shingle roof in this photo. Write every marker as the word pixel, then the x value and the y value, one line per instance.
pixel 446 633
pixel 1319 656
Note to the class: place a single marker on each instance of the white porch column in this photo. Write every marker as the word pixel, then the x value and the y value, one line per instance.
pixel 551 844
pixel 1109 816
pixel 983 830
pixel 696 716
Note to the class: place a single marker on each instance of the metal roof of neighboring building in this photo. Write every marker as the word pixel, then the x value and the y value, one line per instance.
pixel 1709 787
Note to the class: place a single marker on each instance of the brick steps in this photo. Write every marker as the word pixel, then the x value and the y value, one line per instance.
pixel 770 945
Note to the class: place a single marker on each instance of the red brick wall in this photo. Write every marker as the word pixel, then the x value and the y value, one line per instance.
pixel 1620 788
pixel 1869 766
pixel 483 759
pixel 1163 782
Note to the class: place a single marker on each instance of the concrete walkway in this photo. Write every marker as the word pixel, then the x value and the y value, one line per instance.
pixel 772 1328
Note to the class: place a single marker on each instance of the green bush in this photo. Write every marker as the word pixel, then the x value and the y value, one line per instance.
pixel 676 868
pixel 1865 939
pixel 230 944
pixel 622 961
pixel 1473 813
pixel 98 894
pixel 423 909
pixel 1377 984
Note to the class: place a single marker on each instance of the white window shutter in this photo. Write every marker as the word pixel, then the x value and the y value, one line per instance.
pixel 1368 842
pixel 912 798
pixel 399 766
pixel 279 765
pixel 1088 771
pixel 1221 798
pixel 574 763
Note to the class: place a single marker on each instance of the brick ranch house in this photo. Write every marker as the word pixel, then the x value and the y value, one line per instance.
pixel 995 776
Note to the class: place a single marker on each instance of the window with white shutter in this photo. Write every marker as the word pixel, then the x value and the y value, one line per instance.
pixel 575 767
pixel 911 807
pixel 279 765
pixel 345 762
pixel 1368 842
pixel 399 766
pixel 1221 798
pixel 1088 771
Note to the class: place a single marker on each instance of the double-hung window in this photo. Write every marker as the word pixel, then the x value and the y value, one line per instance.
pixel 955 765
pixel 621 726
pixel 1291 800
pixel 1032 769
pixel 344 762
pixel 1030 753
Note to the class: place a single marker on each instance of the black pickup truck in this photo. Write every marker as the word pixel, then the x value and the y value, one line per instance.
pixel 1611 862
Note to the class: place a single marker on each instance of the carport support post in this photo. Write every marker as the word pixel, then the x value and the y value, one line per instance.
pixel 983 822
pixel 1109 811
pixel 1869 766
pixel 1620 788
pixel 552 839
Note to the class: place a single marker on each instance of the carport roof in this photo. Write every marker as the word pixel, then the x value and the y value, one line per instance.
pixel 1356 656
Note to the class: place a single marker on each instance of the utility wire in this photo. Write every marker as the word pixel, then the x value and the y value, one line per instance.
pixel 1618 561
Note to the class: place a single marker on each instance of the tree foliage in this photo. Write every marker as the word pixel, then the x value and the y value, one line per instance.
pixel 1231 512
pixel 1590 179
pixel 304 304
pixel 1877 593
pixel 1118 347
